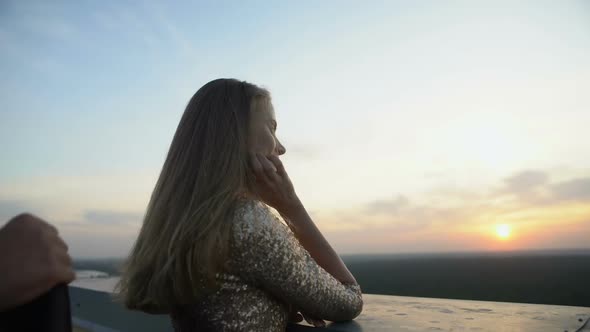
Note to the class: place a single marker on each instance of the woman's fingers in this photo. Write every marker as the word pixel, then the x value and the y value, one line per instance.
pixel 255 163
pixel 314 321
pixel 278 165
pixel 257 168
pixel 270 169
pixel 266 163
pixel 295 317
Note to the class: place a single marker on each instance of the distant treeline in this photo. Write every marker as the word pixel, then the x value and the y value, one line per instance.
pixel 561 279
pixel 550 279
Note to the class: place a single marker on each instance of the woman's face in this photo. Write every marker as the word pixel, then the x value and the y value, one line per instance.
pixel 263 126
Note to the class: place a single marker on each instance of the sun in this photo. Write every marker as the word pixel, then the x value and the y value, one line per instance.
pixel 503 231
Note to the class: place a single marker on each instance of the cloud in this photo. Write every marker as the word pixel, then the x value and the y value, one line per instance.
pixel 438 209
pixel 10 208
pixel 534 189
pixel 391 207
pixel 106 217
pixel 574 190
pixel 525 181
pixel 91 243
pixel 101 233
pixel 449 218
pixel 525 199
pixel 398 215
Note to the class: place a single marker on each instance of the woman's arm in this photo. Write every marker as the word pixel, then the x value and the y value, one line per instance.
pixel 277 191
pixel 316 244
pixel 268 256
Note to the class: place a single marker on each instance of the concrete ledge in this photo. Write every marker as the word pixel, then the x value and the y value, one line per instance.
pixel 94 311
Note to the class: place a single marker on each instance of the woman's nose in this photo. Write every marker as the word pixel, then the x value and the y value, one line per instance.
pixel 281 149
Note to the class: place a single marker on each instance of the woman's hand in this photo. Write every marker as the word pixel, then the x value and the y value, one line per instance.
pixel 274 186
pixel 296 317
pixel 314 321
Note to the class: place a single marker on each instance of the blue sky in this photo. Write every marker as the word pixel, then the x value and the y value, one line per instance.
pixel 418 122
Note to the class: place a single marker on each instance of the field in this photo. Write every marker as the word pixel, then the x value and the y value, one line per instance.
pixel 557 278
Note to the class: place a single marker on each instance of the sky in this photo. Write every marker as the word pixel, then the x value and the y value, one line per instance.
pixel 410 126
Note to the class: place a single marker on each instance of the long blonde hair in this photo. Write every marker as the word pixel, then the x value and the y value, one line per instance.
pixel 184 238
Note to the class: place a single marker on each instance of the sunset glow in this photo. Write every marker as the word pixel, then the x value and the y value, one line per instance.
pixel 409 126
pixel 503 231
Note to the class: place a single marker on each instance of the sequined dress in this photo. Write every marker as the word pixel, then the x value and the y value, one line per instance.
pixel 270 270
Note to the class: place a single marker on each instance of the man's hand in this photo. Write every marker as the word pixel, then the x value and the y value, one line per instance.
pixel 33 259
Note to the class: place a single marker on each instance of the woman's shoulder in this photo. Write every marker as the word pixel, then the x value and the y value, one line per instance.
pixel 250 211
pixel 254 217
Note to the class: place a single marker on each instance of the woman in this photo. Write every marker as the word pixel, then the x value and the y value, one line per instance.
pixel 210 252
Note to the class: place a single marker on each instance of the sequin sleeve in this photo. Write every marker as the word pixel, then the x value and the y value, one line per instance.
pixel 269 256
